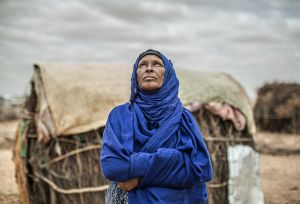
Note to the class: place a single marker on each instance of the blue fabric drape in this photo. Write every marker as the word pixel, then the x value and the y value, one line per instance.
pixel 155 138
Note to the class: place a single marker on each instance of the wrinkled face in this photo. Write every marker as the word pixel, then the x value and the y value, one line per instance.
pixel 150 73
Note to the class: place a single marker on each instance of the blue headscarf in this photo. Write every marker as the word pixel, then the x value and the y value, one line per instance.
pixel 158 104
pixel 162 108
pixel 154 137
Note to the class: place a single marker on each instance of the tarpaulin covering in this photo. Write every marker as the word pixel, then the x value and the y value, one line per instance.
pixel 244 182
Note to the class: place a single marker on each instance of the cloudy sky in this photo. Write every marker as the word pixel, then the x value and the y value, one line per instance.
pixel 255 41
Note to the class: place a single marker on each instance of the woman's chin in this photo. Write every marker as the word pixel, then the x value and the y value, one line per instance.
pixel 150 87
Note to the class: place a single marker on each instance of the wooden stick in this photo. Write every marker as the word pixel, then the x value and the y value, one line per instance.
pixel 224 139
pixel 217 185
pixel 72 190
pixel 74 152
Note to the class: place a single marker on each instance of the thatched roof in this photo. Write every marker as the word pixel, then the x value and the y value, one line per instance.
pixel 75 98
pixel 277 108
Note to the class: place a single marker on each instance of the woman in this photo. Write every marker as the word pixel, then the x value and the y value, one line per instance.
pixel 152 147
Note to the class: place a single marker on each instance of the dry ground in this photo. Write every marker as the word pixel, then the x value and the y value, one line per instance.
pixel 8 187
pixel 279 166
pixel 280 178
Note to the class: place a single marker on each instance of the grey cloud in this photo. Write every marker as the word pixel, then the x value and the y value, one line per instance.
pixel 236 37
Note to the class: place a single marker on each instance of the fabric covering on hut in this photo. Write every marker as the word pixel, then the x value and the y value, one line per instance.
pixel 59 137
pixel 277 108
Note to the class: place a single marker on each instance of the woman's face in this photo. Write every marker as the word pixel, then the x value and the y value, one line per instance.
pixel 150 73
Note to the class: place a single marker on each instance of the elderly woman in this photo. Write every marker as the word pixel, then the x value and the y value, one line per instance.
pixel 152 147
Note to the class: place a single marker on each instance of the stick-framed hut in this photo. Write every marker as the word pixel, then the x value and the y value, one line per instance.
pixel 58 141
pixel 277 107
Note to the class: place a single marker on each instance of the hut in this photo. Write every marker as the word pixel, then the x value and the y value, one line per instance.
pixel 222 108
pixel 277 108
pixel 58 141
pixel 9 108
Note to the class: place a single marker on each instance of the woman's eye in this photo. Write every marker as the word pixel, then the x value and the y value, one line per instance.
pixel 157 65
pixel 141 65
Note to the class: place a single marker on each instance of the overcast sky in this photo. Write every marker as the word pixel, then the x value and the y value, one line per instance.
pixel 255 41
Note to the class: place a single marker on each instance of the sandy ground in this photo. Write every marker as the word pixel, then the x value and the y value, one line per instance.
pixel 8 186
pixel 279 166
pixel 280 178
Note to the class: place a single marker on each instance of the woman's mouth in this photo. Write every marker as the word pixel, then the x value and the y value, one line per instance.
pixel 149 78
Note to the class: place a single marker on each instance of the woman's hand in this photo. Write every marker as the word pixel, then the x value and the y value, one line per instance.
pixel 129 185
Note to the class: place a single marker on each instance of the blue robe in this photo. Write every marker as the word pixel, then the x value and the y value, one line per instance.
pixel 155 138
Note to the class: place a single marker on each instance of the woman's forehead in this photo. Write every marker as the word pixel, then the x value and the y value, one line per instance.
pixel 150 57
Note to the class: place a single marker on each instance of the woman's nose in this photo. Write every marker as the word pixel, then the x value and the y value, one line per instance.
pixel 149 68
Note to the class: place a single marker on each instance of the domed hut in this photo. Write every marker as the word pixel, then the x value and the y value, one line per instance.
pixel 58 141
pixel 277 108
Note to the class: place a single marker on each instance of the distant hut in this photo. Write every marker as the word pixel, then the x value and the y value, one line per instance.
pixel 9 108
pixel 277 107
pixel 59 136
